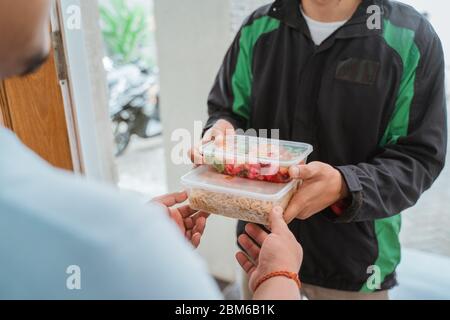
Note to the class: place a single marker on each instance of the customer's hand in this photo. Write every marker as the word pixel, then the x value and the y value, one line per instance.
pixel 266 253
pixel 217 134
pixel 192 223
pixel 322 187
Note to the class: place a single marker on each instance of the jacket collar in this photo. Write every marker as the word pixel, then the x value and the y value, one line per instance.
pixel 288 12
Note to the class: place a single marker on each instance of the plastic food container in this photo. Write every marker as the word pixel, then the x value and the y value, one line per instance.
pixel 235 197
pixel 256 158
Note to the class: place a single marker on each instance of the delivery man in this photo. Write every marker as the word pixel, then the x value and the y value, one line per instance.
pixel 371 101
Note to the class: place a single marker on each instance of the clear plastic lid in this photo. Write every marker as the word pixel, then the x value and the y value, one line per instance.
pixel 247 149
pixel 205 177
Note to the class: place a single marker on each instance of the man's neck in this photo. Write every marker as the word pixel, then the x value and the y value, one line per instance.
pixel 330 10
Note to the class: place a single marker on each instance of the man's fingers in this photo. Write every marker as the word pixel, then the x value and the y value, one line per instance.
pixel 170 200
pixel 296 205
pixel 302 172
pixel 212 134
pixel 249 246
pixel 207 136
pixel 229 131
pixel 219 140
pixel 245 262
pixel 218 133
pixel 195 155
pixel 256 233
pixel 277 223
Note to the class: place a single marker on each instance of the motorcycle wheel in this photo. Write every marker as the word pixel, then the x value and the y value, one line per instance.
pixel 122 136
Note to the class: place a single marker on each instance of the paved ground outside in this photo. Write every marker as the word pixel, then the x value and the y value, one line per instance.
pixel 426 226
pixel 142 167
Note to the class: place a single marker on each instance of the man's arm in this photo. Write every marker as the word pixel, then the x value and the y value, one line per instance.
pixel 229 98
pixel 410 157
pixel 413 149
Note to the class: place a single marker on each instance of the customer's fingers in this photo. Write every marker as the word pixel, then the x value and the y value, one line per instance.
pixel 202 214
pixel 196 239
pixel 172 199
pixel 256 233
pixel 178 220
pixel 249 246
pixel 189 223
pixel 200 225
pixel 186 211
pixel 200 220
pixel 245 262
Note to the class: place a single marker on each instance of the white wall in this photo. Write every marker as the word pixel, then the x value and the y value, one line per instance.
pixel 438 13
pixel 192 38
pixel 240 9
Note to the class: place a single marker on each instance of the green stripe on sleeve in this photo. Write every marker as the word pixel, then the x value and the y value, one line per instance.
pixel 402 41
pixel 242 78
pixel 387 230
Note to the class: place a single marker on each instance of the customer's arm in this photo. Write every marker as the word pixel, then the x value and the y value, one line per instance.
pixel 275 257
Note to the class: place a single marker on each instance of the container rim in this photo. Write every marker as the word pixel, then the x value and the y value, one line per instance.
pixel 209 187
pixel 282 163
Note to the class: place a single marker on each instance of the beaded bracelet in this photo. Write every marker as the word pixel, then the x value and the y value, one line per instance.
pixel 286 274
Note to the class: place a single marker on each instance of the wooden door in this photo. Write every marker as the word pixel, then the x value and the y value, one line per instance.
pixel 33 108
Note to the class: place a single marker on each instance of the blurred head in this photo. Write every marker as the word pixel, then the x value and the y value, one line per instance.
pixel 24 36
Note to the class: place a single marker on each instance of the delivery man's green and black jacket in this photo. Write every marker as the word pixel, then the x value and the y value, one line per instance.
pixel 370 101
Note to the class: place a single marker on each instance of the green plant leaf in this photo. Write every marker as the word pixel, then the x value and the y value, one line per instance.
pixel 125 29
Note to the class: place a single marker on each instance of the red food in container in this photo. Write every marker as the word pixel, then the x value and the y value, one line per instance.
pixel 256 158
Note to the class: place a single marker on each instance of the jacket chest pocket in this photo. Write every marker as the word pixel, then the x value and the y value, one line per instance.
pixel 355 101
pixel 357 70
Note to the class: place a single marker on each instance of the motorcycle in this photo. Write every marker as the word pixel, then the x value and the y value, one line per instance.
pixel 134 103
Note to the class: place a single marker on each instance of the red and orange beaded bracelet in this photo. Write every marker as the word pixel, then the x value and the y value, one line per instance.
pixel 290 275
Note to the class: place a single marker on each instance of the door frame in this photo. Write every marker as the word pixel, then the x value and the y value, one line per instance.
pixel 83 84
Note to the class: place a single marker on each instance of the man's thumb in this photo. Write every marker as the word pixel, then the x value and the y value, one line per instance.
pixel 302 172
pixel 277 223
